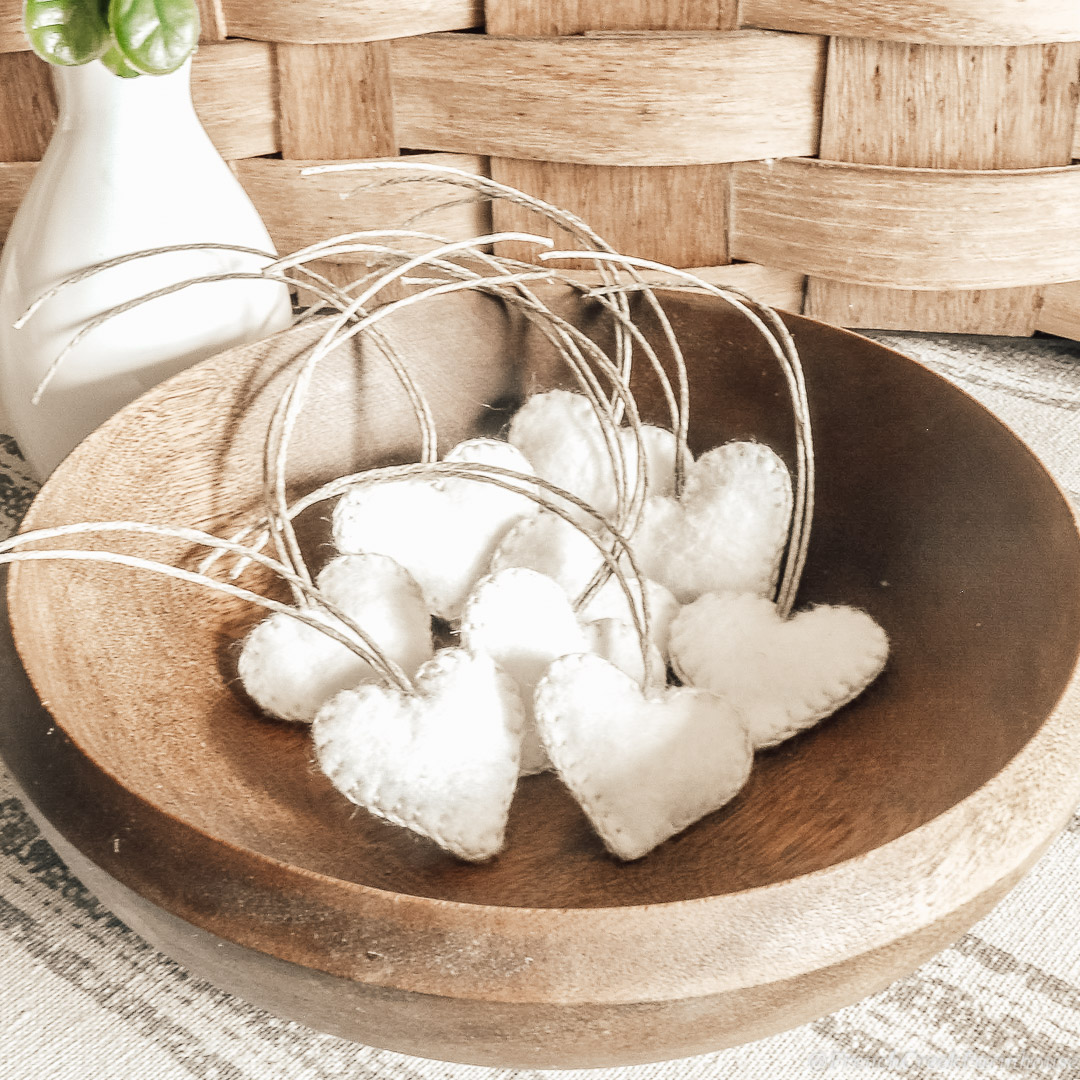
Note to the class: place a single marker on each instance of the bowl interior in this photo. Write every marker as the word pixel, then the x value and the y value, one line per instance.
pixel 930 515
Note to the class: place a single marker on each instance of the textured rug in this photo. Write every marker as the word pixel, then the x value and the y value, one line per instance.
pixel 84 998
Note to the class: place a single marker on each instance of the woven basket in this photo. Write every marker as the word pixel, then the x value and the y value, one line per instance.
pixel 902 164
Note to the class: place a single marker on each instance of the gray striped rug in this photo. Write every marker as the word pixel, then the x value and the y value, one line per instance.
pixel 83 998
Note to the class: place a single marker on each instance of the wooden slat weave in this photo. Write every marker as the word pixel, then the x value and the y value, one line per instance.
pixel 952 22
pixel 914 228
pixel 298 209
pixel 612 99
pixel 1061 311
pixel 327 22
pixel 893 163
pixel 1010 108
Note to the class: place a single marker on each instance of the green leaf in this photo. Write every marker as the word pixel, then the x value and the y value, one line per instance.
pixel 114 60
pixel 155 36
pixel 67 32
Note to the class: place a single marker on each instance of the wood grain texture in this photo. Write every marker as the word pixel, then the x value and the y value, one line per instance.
pixel 27 107
pixel 15 179
pixel 232 86
pixel 944 107
pixel 930 794
pixel 942 22
pixel 334 21
pixel 781 289
pixel 211 21
pixel 12 37
pixel 557 18
pixel 642 99
pixel 336 101
pixel 1011 312
pixel 909 228
pixel 300 210
pixel 1060 313
pixel 444 1028
pixel 675 215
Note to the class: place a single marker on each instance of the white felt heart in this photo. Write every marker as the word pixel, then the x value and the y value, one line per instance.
pixel 290 669
pixel 782 675
pixel 559 433
pixel 618 643
pixel 611 603
pixel 524 621
pixel 552 547
pixel 443 531
pixel 558 550
pixel 442 762
pixel 726 532
pixel 643 769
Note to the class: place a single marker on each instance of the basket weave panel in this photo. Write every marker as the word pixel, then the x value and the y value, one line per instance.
pixel 906 164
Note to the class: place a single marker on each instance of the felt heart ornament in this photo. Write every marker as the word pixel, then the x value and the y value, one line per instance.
pixel 442 530
pixel 782 675
pixel 558 550
pixel 523 621
pixel 558 431
pixel 728 530
pixel 290 668
pixel 442 761
pixel 553 547
pixel 642 768
pixel 610 604
pixel 619 644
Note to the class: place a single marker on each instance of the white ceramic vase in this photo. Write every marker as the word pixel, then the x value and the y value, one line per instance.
pixel 129 168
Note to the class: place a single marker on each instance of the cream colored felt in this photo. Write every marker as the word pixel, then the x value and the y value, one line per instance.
pixel 559 433
pixel 611 603
pixel 290 669
pixel 442 762
pixel 643 769
pixel 552 547
pixel 443 531
pixel 558 550
pixel 619 644
pixel 726 532
pixel 782 675
pixel 524 621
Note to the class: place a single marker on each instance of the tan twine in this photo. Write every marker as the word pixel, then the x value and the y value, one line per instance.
pixel 446 268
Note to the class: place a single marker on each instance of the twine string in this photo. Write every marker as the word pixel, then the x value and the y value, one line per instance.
pixel 413 172
pixel 778 337
pixel 362 644
pixel 336 334
pixel 463 266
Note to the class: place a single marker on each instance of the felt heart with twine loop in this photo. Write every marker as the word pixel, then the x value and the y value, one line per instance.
pixel 619 643
pixel 290 668
pixel 442 757
pixel 642 767
pixel 783 675
pixel 442 761
pixel 559 550
pixel 524 621
pixel 561 435
pixel 727 531
pixel 443 530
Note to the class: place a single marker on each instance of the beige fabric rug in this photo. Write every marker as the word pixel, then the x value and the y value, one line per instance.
pixel 83 998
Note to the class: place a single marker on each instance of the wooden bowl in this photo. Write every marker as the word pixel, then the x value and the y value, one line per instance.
pixel 855 852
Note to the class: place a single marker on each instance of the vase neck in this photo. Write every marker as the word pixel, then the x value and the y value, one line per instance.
pixel 91 94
